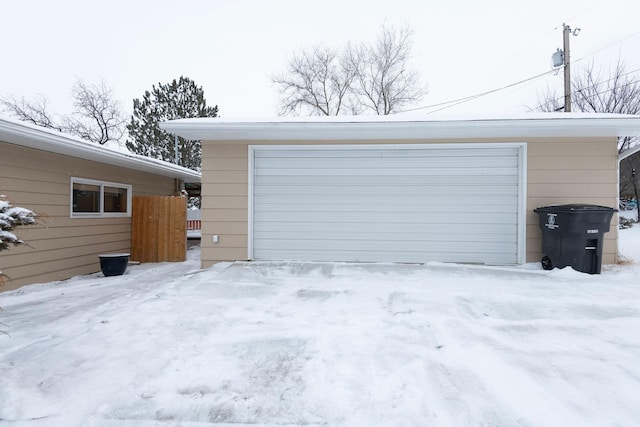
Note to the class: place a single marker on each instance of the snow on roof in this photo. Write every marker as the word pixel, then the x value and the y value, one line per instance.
pixel 32 136
pixel 406 126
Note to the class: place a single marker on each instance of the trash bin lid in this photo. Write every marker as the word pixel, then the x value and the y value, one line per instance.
pixel 575 208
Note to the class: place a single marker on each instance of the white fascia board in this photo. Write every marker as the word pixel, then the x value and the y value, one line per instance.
pixel 395 127
pixel 39 138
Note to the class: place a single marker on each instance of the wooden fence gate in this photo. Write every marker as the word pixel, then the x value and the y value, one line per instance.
pixel 158 229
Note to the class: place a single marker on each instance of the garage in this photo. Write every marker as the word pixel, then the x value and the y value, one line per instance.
pixel 404 188
pixel 454 202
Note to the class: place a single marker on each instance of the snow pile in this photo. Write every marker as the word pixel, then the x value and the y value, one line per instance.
pixel 326 344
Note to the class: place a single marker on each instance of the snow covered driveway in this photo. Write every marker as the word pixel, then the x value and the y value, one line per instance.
pixel 324 344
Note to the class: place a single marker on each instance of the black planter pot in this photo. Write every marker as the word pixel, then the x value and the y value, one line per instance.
pixel 114 264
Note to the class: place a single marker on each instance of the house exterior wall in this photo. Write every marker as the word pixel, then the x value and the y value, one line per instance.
pixel 559 171
pixel 59 246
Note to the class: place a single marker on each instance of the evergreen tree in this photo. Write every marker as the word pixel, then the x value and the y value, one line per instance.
pixel 11 217
pixel 176 100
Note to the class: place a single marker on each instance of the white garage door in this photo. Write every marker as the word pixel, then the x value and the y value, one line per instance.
pixel 395 203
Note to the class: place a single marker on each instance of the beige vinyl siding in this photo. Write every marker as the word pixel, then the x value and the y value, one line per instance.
pixel 59 247
pixel 224 202
pixel 572 170
pixel 559 171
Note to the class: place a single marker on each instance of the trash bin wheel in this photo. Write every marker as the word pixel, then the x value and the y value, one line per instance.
pixel 546 263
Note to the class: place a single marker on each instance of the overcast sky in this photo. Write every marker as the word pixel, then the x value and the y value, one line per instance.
pixel 233 47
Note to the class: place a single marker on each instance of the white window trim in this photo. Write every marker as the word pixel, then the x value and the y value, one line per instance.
pixel 101 213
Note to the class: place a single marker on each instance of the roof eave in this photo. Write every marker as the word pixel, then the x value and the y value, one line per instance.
pixel 41 139
pixel 408 130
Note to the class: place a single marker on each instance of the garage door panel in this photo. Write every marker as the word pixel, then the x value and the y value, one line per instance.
pixel 381 172
pixel 457 191
pixel 338 236
pixel 387 204
pixel 362 152
pixel 445 219
pixel 382 164
pixel 324 228
pixel 444 213
pixel 469 257
pixel 406 200
pixel 411 181
pixel 355 245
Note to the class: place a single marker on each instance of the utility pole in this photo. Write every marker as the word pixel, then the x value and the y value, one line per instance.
pixel 566 32
pixel 567 69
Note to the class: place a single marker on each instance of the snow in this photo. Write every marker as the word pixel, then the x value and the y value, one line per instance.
pixel 285 343
pixel 408 117
pixel 194 234
pixel 20 215
pixel 7 236
pixel 405 127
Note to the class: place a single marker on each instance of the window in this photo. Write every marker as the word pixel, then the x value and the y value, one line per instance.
pixel 91 198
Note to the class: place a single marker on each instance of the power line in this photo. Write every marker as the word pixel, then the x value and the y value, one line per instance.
pixel 625 84
pixel 583 12
pixel 507 93
pixel 608 46
pixel 472 97
pixel 455 102
pixel 546 104
pixel 615 77
pixel 537 40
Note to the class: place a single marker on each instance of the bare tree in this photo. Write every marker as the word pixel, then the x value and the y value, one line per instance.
pixel 361 77
pixel 316 82
pixel 384 81
pixel 97 116
pixel 549 102
pixel 30 111
pixel 592 92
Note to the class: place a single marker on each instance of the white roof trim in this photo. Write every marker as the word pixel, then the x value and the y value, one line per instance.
pixel 39 138
pixel 396 127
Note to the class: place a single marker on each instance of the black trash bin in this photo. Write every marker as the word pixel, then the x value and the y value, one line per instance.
pixel 573 235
